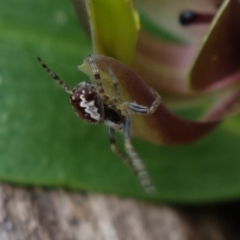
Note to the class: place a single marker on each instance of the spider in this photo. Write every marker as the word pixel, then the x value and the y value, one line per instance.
pixel 93 105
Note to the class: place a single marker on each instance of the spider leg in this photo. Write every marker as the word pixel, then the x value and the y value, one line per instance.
pixel 137 163
pixel 140 109
pixel 132 106
pixel 57 79
pixel 115 149
pixel 97 77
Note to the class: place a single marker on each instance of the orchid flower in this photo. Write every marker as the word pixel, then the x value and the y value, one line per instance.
pixel 189 75
pixel 210 84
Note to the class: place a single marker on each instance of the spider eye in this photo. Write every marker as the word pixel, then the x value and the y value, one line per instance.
pixel 87 103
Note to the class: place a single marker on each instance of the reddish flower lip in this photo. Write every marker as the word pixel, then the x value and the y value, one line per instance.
pixel 162 126
pixel 217 64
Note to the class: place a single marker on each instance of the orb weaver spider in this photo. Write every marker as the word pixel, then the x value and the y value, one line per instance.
pixel 93 105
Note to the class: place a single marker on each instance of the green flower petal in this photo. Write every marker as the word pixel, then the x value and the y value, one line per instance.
pixel 114 28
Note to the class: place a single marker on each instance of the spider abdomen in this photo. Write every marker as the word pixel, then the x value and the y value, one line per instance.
pixel 112 118
pixel 87 103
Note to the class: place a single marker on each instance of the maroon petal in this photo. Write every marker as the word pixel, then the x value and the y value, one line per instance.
pixel 160 127
pixel 219 56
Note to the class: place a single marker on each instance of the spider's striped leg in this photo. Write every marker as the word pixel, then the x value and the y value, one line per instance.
pixel 132 106
pixel 155 103
pixel 127 108
pixel 97 77
pixel 140 109
pixel 57 79
pixel 137 163
pixel 115 149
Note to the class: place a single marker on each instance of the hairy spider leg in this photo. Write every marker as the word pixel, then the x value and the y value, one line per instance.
pixel 97 77
pixel 132 106
pixel 137 163
pixel 57 79
pixel 140 170
pixel 134 162
pixel 155 103
pixel 111 131
pixel 140 109
pixel 115 149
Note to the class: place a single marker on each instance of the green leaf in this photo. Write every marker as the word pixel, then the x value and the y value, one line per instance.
pixel 114 28
pixel 43 143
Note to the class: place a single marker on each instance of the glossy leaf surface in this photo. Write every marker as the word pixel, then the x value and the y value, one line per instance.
pixel 43 143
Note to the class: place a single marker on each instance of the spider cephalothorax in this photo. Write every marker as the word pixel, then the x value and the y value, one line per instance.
pixel 87 103
pixel 90 107
pixel 93 105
